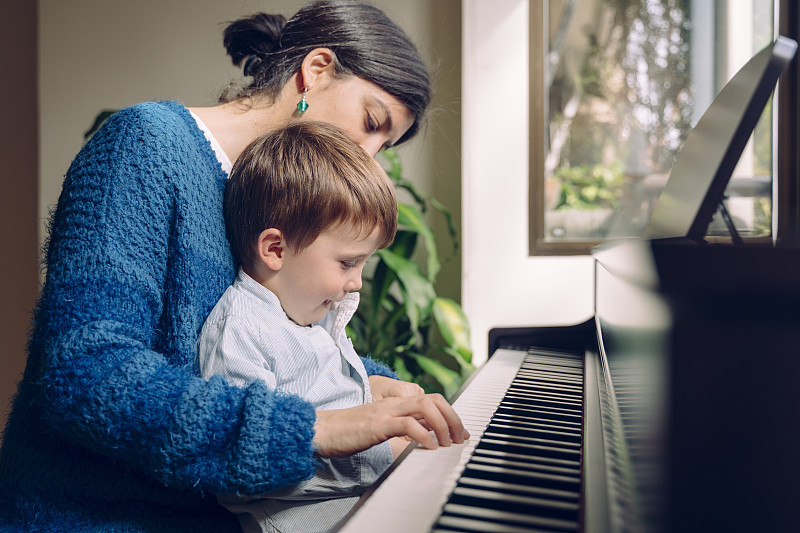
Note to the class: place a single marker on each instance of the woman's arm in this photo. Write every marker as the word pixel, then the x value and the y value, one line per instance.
pixel 374 368
pixel 112 366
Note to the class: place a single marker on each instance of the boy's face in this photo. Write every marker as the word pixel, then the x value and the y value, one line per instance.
pixel 323 272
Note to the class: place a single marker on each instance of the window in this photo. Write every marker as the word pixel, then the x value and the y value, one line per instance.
pixel 616 86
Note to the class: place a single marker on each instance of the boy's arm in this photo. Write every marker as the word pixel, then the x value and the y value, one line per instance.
pixel 230 348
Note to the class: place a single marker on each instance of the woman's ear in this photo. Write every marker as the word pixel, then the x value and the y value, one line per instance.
pixel 271 248
pixel 317 69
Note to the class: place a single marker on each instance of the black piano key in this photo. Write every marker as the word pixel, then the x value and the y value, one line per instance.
pixel 546 390
pixel 478 499
pixel 563 384
pixel 545 378
pixel 528 463
pixel 504 415
pixel 540 447
pixel 542 479
pixel 516 488
pixel 570 382
pixel 556 430
pixel 556 388
pixel 470 525
pixel 503 444
pixel 548 378
pixel 540 398
pixel 551 414
pixel 566 383
pixel 482 516
pixel 545 393
pixel 548 435
pixel 525 474
pixel 543 423
pixel 546 359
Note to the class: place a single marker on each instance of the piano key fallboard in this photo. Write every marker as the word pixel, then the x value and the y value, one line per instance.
pixel 521 469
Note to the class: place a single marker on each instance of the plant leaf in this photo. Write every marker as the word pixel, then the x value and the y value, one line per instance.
pixel 401 370
pixel 417 290
pixel 467 368
pixel 423 199
pixel 405 242
pixel 98 121
pixel 453 326
pixel 450 380
pixel 395 171
pixel 410 217
pixel 451 225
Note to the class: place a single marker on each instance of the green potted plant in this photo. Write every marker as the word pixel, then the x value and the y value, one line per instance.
pixel 401 321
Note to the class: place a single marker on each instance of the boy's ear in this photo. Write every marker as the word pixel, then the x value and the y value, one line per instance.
pixel 271 248
pixel 317 68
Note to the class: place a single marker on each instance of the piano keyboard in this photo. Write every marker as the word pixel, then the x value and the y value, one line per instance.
pixel 520 470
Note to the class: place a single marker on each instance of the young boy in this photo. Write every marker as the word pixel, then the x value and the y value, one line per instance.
pixel 305 207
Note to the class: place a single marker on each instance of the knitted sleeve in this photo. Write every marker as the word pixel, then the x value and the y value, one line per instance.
pixel 374 368
pixel 107 382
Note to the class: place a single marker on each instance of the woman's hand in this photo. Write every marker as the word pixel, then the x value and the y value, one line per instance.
pixel 383 387
pixel 341 432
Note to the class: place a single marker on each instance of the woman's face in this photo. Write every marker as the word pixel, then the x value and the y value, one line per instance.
pixel 372 117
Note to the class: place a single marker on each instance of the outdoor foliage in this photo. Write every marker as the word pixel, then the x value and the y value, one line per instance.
pixel 590 187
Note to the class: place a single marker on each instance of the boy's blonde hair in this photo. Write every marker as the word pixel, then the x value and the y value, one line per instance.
pixel 302 180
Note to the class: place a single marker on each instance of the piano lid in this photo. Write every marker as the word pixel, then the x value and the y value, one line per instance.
pixel 709 155
pixel 704 166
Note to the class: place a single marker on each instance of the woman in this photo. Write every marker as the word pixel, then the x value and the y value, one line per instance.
pixel 111 428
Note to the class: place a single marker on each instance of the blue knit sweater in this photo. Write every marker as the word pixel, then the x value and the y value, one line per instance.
pixel 111 430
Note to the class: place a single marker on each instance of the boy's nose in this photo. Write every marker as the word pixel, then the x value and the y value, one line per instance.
pixel 354 284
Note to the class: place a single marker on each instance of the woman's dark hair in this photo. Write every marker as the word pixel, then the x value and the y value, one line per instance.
pixel 366 43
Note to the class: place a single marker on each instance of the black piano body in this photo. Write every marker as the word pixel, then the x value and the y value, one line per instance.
pixel 673 409
pixel 687 404
pixel 692 363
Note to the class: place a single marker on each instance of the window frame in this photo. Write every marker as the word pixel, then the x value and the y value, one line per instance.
pixel 786 191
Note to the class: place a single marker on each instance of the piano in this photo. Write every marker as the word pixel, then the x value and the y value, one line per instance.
pixel 675 408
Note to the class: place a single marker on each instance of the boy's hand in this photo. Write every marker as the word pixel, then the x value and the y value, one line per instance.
pixel 383 387
pixel 341 432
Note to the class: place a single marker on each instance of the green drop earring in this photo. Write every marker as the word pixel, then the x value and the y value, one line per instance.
pixel 302 105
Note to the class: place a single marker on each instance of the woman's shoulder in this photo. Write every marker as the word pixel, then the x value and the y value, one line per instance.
pixel 159 131
pixel 157 114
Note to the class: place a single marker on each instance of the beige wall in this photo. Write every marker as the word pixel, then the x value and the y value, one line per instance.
pixel 97 54
pixel 19 267
pixel 502 285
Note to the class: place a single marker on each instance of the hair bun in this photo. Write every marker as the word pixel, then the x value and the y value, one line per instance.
pixel 257 34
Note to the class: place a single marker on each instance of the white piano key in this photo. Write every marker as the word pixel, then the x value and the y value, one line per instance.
pixel 419 485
